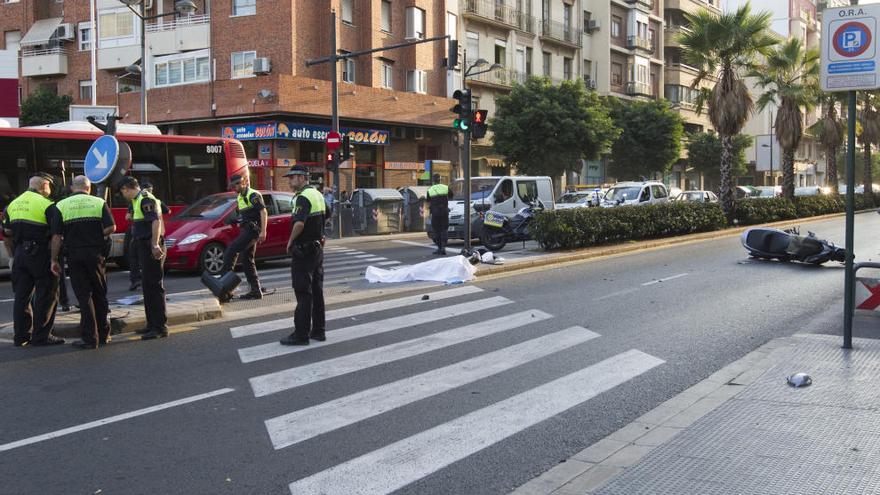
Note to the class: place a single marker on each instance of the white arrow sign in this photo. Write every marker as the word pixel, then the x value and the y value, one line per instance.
pixel 102 158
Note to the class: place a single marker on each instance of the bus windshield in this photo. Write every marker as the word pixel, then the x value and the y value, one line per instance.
pixel 481 188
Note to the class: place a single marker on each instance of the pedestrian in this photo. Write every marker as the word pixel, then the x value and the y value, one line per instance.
pixel 306 246
pixel 134 264
pixel 28 222
pixel 329 203
pixel 252 231
pixel 148 233
pixel 439 195
pixel 86 222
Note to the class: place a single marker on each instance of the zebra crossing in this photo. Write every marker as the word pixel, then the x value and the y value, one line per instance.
pixel 404 461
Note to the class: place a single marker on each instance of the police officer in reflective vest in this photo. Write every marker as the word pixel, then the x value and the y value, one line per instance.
pixel 86 223
pixel 438 200
pixel 147 234
pixel 306 246
pixel 28 223
pixel 252 231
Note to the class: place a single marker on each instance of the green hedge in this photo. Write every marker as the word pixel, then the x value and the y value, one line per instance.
pixel 581 227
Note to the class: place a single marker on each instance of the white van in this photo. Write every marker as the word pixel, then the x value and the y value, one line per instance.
pixel 504 194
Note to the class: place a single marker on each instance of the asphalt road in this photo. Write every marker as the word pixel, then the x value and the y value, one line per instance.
pixel 537 391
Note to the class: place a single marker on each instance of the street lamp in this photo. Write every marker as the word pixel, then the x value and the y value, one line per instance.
pixel 180 7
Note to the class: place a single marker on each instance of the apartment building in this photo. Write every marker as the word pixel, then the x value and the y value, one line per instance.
pixel 238 68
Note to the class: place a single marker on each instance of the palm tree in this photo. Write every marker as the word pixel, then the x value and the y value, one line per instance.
pixel 870 120
pixel 722 47
pixel 789 78
pixel 830 131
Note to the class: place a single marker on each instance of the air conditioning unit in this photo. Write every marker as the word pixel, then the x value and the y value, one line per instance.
pixel 262 66
pixel 593 25
pixel 64 31
pixel 418 133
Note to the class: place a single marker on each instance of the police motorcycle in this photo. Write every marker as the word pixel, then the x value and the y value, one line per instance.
pixel 789 245
pixel 497 229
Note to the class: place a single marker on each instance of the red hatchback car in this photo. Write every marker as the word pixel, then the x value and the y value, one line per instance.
pixel 197 235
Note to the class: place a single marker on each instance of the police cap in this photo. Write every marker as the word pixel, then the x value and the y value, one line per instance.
pixel 297 170
pixel 47 177
pixel 147 185
pixel 235 179
pixel 128 182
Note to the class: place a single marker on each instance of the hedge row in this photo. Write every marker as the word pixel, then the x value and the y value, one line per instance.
pixel 582 227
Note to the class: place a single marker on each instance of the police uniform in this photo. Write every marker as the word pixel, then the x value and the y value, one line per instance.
pixel 134 261
pixel 250 204
pixel 145 210
pixel 307 268
pixel 438 200
pixel 30 219
pixel 84 218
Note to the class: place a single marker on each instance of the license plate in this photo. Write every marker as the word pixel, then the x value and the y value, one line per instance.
pixel 493 219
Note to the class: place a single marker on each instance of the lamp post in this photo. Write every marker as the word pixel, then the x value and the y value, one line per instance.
pixel 180 7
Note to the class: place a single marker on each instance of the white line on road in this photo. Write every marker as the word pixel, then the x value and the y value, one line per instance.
pixel 274 349
pixel 361 267
pixel 301 425
pixel 412 243
pixel 336 314
pixel 618 293
pixel 664 279
pixel 112 419
pixel 411 459
pixel 303 375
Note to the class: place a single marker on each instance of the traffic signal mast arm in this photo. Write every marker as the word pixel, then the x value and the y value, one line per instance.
pixel 334 58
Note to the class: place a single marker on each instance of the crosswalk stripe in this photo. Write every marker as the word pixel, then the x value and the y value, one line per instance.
pixel 304 424
pixel 397 465
pixel 274 349
pixel 352 254
pixel 354 267
pixel 303 375
pixel 355 261
pixel 336 314
pixel 362 267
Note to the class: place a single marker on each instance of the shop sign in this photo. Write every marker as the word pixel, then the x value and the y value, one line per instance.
pixel 250 132
pixel 303 132
pixel 258 163
pixel 404 166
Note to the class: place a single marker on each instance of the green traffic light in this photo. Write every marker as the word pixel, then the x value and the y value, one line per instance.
pixel 461 124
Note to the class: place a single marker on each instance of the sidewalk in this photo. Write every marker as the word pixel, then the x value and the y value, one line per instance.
pixel 744 430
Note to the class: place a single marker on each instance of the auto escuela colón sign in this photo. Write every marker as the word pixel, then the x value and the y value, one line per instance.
pixel 850 59
pixel 303 132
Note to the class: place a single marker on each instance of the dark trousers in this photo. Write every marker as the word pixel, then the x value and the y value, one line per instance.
pixel 36 294
pixel 63 300
pixel 152 275
pixel 440 226
pixel 89 282
pixel 134 259
pixel 245 245
pixel 307 274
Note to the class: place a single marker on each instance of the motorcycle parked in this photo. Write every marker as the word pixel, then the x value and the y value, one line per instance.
pixel 497 230
pixel 789 245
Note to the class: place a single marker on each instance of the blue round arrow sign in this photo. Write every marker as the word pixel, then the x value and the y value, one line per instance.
pixel 101 158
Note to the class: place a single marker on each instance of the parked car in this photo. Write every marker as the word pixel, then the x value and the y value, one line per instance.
pixel 742 192
pixel 197 236
pixel 635 193
pixel 768 191
pixel 697 197
pixel 809 191
pixel 579 199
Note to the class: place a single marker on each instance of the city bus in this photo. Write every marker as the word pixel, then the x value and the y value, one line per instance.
pixel 182 169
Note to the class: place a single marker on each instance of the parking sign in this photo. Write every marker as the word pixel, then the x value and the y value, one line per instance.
pixel 850 59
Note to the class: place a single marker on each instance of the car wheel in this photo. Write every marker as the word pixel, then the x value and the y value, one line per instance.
pixel 211 259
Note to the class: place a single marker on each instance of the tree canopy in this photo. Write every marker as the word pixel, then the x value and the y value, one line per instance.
pixel 704 155
pixel 649 141
pixel 43 107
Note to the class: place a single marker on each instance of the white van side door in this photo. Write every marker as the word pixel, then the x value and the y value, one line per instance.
pixel 545 193
pixel 504 197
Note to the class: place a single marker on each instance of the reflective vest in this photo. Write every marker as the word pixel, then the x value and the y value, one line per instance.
pixel 315 198
pixel 244 201
pixel 29 207
pixel 79 207
pixel 438 190
pixel 137 214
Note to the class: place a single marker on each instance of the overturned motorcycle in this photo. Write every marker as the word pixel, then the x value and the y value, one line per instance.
pixel 789 245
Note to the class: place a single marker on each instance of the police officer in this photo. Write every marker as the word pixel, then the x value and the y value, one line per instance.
pixel 147 234
pixel 86 223
pixel 307 267
pixel 253 217
pixel 29 220
pixel 134 262
pixel 438 200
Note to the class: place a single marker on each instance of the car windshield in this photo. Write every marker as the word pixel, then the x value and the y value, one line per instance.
pixel 480 189
pixel 767 192
pixel 572 198
pixel 626 193
pixel 209 207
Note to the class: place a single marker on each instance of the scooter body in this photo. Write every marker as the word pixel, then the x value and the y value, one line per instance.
pixel 789 245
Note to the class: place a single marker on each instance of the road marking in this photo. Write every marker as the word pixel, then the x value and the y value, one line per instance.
pixel 412 243
pixel 301 425
pixel 618 293
pixel 274 349
pixel 361 267
pixel 352 266
pixel 664 279
pixel 303 375
pixel 355 261
pixel 112 419
pixel 7 300
pixel 411 459
pixel 336 314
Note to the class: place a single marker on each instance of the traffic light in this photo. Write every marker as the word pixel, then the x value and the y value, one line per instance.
pixel 451 54
pixel 480 126
pixel 461 125
pixel 329 158
pixel 462 109
pixel 346 148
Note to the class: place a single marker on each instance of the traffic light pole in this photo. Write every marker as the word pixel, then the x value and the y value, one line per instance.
pixel 466 164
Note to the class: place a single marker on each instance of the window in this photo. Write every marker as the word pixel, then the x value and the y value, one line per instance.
pixel 545 10
pixel 85 36
pixel 415 23
pixel 501 52
pixel 347 11
pixel 387 76
pixel 651 34
pixel 243 64
pixel 588 68
pixel 588 16
pixel 116 24
pixel 85 90
pixel 529 60
pixel 452 25
pixel 615 26
pixel 505 191
pixel 284 203
pixel 566 68
pixel 616 73
pixel 416 81
pixel 244 7
pixel 527 190
pixel 473 46
pixel 520 62
pixel 386 16
pixel 348 69
pixel 547 66
pixel 566 17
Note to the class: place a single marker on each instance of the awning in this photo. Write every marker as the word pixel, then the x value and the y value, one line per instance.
pixel 41 32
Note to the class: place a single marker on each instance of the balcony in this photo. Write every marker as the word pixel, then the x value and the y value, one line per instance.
pixel 43 62
pixel 637 42
pixel 691 6
pixel 499 77
pixel 559 32
pixel 673 32
pixel 636 88
pixel 647 4
pixel 182 34
pixel 498 14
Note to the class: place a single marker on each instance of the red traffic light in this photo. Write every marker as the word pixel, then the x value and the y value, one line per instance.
pixel 480 116
pixel 329 157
